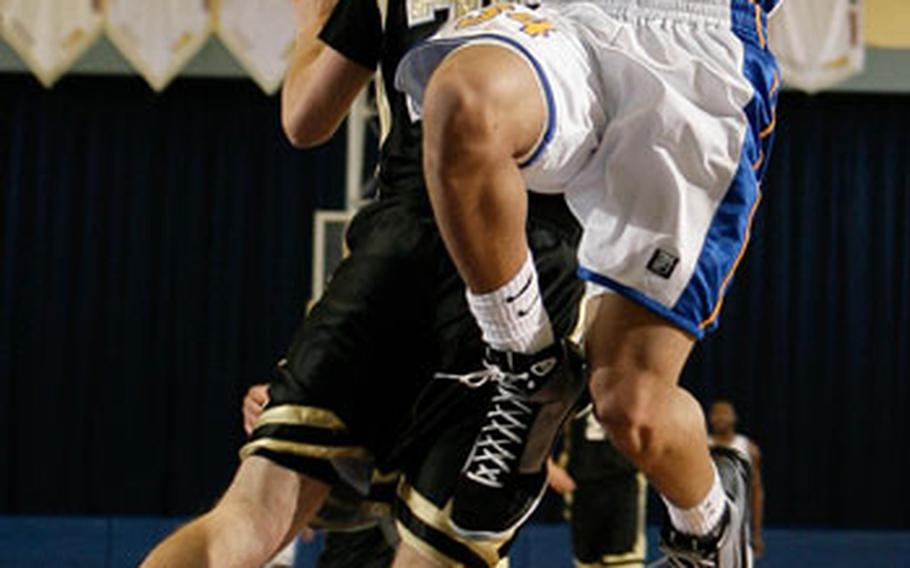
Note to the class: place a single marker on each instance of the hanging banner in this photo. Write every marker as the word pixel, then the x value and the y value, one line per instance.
pixel 261 35
pixel 818 43
pixel 50 35
pixel 158 37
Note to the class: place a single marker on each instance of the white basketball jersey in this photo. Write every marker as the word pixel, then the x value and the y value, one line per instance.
pixel 739 443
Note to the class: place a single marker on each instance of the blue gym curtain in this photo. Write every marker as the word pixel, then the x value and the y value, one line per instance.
pixel 155 261
pixel 814 346
pixel 156 258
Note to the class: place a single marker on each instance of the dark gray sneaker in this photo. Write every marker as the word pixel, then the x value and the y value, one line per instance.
pixel 505 474
pixel 728 546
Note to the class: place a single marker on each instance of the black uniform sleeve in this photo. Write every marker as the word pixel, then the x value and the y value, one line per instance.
pixel 354 29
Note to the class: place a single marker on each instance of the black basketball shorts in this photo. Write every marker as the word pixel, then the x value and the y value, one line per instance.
pixel 607 509
pixel 356 391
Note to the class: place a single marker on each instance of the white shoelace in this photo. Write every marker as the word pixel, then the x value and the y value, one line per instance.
pixel 683 560
pixel 491 457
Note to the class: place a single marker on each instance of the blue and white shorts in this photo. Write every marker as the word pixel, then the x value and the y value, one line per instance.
pixel 660 122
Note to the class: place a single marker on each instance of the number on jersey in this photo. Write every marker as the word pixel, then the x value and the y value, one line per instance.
pixel 530 24
pixel 424 11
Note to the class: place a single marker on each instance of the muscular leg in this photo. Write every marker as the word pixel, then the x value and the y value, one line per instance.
pixel 636 358
pixel 482 111
pixel 263 509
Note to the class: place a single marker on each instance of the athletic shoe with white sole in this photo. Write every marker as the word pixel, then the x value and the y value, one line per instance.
pixel 728 545
pixel 505 474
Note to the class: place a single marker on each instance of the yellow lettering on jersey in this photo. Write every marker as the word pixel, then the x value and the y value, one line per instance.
pixel 532 26
pixel 424 11
pixel 462 7
pixel 484 15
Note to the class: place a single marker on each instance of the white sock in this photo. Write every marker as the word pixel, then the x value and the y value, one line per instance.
pixel 704 517
pixel 513 318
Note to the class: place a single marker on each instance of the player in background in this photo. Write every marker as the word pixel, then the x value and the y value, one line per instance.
pixel 605 497
pixel 723 419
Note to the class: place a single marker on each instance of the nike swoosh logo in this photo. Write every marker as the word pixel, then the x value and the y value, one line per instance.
pixel 541 368
pixel 522 312
pixel 524 288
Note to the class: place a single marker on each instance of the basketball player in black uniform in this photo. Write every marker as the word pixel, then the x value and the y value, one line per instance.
pixel 365 384
pixel 605 498
pixel 359 530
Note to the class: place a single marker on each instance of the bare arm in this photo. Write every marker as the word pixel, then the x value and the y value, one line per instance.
pixel 321 84
pixel 758 501
pixel 263 509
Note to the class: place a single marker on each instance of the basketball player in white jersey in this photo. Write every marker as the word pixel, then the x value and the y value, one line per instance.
pixel 723 419
pixel 655 119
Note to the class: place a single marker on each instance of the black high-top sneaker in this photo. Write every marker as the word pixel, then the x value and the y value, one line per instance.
pixel 728 545
pixel 505 474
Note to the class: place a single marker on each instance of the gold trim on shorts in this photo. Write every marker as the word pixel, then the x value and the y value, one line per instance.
pixel 431 515
pixel 380 478
pixel 297 415
pixel 422 547
pixel 636 556
pixel 306 450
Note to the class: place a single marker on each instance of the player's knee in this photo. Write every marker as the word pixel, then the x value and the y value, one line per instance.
pixel 627 410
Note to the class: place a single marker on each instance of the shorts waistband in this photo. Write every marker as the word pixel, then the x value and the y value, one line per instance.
pixel 745 17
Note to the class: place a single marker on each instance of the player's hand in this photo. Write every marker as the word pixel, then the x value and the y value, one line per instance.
pixel 559 479
pixel 758 545
pixel 307 534
pixel 255 400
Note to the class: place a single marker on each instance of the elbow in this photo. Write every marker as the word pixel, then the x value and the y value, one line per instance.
pixel 305 128
pixel 296 136
pixel 299 140
pixel 302 134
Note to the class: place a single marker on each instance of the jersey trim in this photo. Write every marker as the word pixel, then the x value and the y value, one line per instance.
pixel 639 298
pixel 442 48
